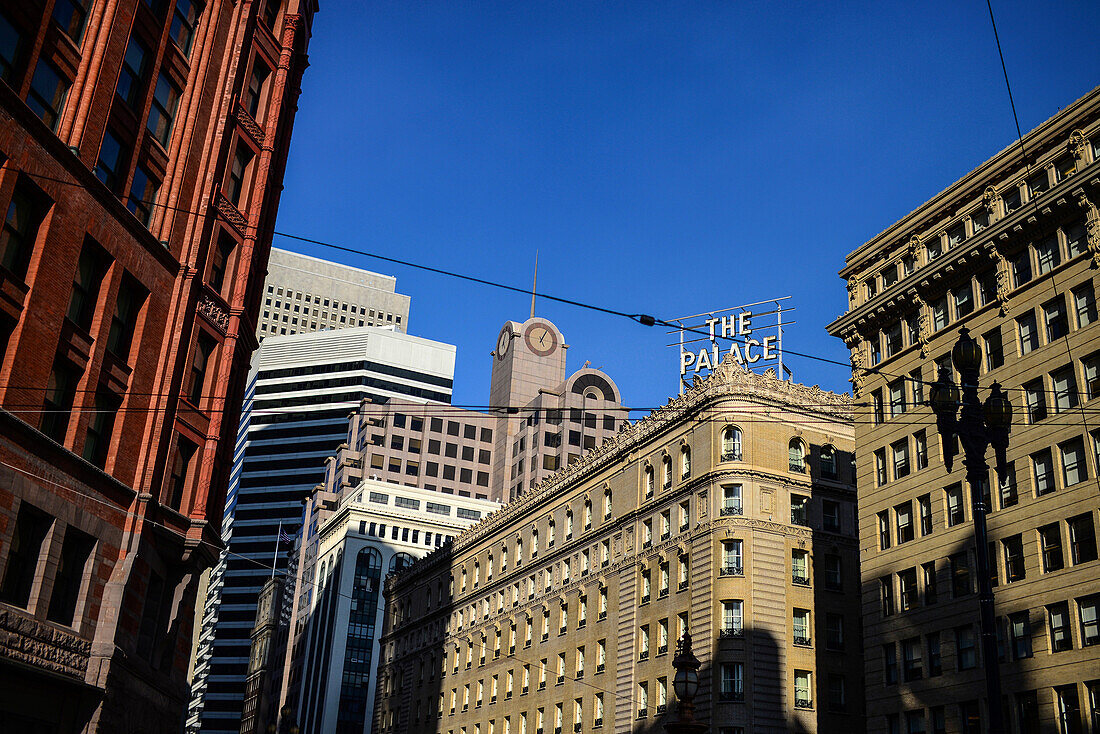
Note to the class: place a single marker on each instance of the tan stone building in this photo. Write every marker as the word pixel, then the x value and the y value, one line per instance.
pixel 1011 252
pixel 729 512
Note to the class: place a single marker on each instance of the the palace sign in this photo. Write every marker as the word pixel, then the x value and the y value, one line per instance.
pixel 751 335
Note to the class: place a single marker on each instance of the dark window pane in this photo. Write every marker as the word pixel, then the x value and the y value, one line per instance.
pixel 70 16
pixel 163 110
pixel 132 74
pixel 75 550
pixel 47 95
pixel 109 168
pixel 31 526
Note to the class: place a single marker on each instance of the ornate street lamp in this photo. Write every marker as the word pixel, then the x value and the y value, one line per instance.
pixel 977 426
pixel 686 685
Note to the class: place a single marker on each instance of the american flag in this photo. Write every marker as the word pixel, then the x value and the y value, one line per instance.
pixel 284 536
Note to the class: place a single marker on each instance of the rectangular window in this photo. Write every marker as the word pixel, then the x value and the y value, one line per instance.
pixel 886 594
pixel 1057 323
pixel 966 648
pixel 1006 486
pixel 1064 382
pixel 90 270
pixel 904 515
pixel 110 167
pixel 928 570
pixel 964 300
pixel 1074 468
pixel 830 515
pixel 900 452
pixel 57 405
pixel 994 350
pixel 880 467
pixel 1036 400
pixel 956 513
pixel 912 662
pixel 131 78
pixel 1043 471
pixel 960 574
pixel 897 398
pixel 1088 612
pixel 1029 333
pixel 31 527
pixel 1082 539
pixel 920 445
pixel 924 503
pixel 802 627
pixel 1058 618
pixel 97 442
pixel 803 690
pixel 1021 268
pixel 200 362
pixel 184 18
pixel 941 315
pixel 75 551
pixel 163 110
pixel 1014 558
pixel 47 93
pixel 1084 305
pixel 907 586
pixel 143 195
pixel 890 664
pixel 1019 630
pixel 987 286
pixel 180 470
pixel 1090 365
pixel 238 172
pixel 884 530
pixel 892 339
pixel 935 659
pixel 221 258
pixel 879 410
pixel 1050 545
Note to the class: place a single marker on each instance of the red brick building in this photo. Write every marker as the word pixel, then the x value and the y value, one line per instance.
pixel 142 150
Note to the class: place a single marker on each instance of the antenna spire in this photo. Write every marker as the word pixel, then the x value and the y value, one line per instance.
pixel 534 284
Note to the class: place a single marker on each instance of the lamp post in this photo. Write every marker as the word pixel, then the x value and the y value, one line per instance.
pixel 977 425
pixel 686 685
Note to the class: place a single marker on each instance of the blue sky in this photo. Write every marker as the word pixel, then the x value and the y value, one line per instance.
pixel 662 157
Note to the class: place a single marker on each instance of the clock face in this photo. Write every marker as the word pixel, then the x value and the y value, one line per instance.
pixel 504 342
pixel 541 339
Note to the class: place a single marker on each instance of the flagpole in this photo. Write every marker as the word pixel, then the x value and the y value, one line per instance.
pixel 275 560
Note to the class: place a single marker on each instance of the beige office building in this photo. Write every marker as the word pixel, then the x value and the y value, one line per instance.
pixel 303 294
pixel 730 512
pixel 1010 251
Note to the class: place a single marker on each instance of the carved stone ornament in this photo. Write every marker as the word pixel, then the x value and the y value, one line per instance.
pixel 1003 286
pixel 1092 227
pixel 991 201
pixel 1078 145
pixel 924 326
pixel 231 214
pixel 913 247
pixel 214 313
pixel 249 124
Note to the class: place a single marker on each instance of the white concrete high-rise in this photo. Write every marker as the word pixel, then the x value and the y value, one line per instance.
pixel 303 293
pixel 300 392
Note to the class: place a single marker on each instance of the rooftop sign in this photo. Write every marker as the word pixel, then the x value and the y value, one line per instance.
pixel 752 335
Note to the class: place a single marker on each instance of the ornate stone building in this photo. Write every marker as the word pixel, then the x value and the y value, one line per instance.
pixel 142 150
pixel 730 512
pixel 1010 251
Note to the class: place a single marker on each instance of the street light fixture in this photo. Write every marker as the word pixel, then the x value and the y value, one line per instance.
pixel 977 425
pixel 686 685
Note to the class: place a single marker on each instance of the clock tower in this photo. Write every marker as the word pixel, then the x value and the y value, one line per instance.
pixel 527 358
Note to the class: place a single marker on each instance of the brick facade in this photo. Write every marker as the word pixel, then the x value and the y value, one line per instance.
pixel 142 148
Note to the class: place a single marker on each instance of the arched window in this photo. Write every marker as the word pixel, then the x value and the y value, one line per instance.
pixel 534 542
pixel 587 514
pixel 519 551
pixel 648 481
pixel 568 524
pixel 404 560
pixel 828 461
pixel 685 462
pixel 550 533
pixel 489 568
pixel 666 469
pixel 797 453
pixel 731 444
pixel 607 503
pixel 477 573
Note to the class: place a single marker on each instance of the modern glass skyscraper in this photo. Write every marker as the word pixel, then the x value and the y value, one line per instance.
pixel 300 392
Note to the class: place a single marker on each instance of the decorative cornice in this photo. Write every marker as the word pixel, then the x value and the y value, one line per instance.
pixel 215 314
pixel 727 380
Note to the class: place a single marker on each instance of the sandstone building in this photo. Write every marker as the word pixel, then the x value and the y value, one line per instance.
pixel 142 150
pixel 303 293
pixel 1010 251
pixel 730 512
